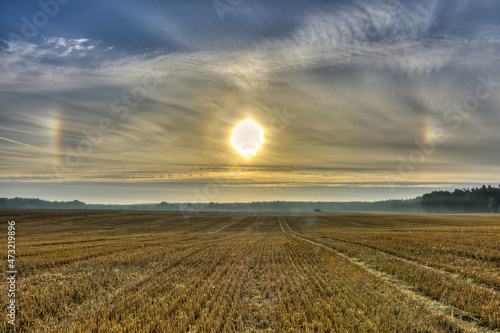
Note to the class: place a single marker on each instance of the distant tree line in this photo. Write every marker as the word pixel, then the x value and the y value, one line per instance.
pixel 24 203
pixel 485 199
pixel 408 205
pixel 32 203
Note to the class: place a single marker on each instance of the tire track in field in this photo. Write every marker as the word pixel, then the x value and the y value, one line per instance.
pixel 234 221
pixel 432 305
pixel 414 262
pixel 254 225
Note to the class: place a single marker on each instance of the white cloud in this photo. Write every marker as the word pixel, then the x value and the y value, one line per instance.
pixel 374 42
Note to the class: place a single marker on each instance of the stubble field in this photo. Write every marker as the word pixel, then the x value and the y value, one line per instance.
pixel 124 271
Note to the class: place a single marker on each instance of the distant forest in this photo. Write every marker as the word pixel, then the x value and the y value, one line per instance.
pixel 485 199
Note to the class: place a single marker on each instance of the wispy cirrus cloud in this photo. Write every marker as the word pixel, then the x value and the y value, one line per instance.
pixel 363 80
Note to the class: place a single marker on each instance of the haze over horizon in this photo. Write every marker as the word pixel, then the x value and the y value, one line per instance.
pixel 128 102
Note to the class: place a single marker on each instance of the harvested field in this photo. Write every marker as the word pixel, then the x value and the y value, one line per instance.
pixel 127 271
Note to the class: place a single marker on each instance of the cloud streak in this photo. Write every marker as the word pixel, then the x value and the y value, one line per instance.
pixel 363 80
pixel 19 143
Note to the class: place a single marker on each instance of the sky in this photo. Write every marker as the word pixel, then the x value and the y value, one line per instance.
pixel 135 101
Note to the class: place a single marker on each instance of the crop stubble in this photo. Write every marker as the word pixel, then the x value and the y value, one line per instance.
pixel 255 272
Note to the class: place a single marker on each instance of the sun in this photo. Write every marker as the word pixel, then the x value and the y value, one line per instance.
pixel 247 137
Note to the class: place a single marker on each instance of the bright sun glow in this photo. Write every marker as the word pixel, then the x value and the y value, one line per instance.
pixel 247 137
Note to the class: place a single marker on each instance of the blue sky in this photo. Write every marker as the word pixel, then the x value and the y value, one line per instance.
pixel 128 101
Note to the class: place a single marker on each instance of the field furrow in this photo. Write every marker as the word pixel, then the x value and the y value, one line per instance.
pixel 250 272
